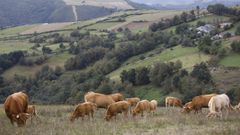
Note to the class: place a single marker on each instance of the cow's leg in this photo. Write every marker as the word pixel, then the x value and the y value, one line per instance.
pixel 92 114
pixel 142 113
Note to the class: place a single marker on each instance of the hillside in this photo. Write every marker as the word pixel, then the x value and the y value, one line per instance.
pixel 21 12
pixel 118 52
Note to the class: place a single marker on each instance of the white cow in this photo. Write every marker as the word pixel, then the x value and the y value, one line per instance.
pixel 217 104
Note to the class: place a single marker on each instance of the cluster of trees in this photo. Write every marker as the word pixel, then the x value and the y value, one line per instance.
pixel 82 60
pixel 30 61
pixel 208 46
pixel 176 20
pixel 220 9
pixel 172 78
pixel 10 59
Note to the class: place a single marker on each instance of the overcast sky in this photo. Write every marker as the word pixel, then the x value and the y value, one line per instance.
pixel 164 2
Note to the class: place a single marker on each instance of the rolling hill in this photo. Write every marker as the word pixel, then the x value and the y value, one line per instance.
pixel 21 12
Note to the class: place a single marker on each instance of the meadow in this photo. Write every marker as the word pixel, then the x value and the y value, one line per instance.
pixel 54 121
pixel 189 56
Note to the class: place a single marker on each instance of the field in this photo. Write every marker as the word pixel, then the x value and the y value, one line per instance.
pixel 15 30
pixel 188 55
pixel 46 27
pixel 14 45
pixel 53 61
pixel 54 121
pixel 232 60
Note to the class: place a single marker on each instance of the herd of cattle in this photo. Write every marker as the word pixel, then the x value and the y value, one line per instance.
pixel 18 111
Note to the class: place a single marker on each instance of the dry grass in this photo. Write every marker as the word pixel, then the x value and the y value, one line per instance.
pixel 54 121
pixel 46 27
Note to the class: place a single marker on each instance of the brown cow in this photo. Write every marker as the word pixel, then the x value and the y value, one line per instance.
pixel 133 101
pixel 141 107
pixel 117 97
pixel 31 110
pixel 83 109
pixel 117 107
pixel 153 105
pixel 101 100
pixel 33 113
pixel 173 101
pixel 16 108
pixel 198 103
pixel 186 107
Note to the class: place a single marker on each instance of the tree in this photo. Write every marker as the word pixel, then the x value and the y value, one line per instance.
pixel 46 50
pixel 200 23
pixel 201 72
pixel 142 76
pixel 236 46
pixel 237 32
pixel 61 45
pixel 198 11
pixel 182 28
pixel 75 33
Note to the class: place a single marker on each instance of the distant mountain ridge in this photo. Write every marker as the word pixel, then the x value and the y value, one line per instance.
pixel 185 4
pixel 21 12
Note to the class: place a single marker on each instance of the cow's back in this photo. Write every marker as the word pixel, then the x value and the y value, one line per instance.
pixel 100 100
pixel 202 101
pixel 16 103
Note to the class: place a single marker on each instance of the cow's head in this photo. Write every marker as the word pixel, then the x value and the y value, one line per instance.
pixel 187 107
pixel 72 117
pixel 21 118
pixel 134 112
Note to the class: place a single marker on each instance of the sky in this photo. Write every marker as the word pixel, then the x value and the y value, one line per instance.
pixel 165 2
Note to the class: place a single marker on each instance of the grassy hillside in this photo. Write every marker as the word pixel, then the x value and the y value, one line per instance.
pixel 53 61
pixel 9 46
pixel 232 60
pixel 188 56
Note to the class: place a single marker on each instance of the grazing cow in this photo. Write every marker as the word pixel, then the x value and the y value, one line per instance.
pixel 16 108
pixel 83 109
pixel 117 97
pixel 32 111
pixel 117 107
pixel 101 100
pixel 217 104
pixel 186 107
pixel 173 101
pixel 198 103
pixel 133 101
pixel 153 105
pixel 141 107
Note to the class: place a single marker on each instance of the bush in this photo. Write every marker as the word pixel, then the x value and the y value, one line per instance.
pixel 202 73
pixel 236 46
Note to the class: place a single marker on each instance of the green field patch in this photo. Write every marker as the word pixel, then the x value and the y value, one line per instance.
pixel 53 61
pixel 15 30
pixel 211 19
pixel 10 46
pixel 189 56
pixel 232 60
pixel 103 25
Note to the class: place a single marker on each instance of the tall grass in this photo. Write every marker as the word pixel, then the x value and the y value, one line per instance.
pixel 54 121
